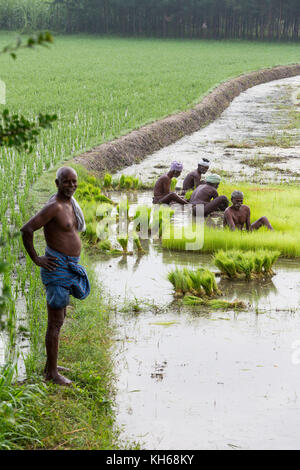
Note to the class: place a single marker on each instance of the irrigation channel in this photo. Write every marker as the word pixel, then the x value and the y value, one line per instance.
pixel 188 379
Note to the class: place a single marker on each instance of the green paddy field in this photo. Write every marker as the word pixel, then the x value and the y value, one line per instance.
pixel 100 88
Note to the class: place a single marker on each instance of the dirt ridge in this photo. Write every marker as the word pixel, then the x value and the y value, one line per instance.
pixel 138 144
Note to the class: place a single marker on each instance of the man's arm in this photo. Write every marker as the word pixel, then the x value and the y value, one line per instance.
pixel 248 223
pixel 228 220
pixel 35 223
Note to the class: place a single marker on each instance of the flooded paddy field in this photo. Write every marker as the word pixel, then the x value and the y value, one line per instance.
pixel 189 378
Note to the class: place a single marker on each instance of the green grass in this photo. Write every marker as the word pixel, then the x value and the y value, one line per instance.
pixel 281 204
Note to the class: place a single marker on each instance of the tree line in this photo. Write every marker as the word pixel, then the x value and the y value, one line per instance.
pixel 216 19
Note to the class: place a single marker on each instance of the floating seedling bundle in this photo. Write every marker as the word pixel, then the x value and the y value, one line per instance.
pixel 250 264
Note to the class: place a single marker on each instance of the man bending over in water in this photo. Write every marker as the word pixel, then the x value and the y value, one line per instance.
pixel 207 195
pixel 61 219
pixel 238 215
pixel 162 191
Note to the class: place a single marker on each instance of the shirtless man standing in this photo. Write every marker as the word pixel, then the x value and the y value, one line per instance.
pixel 162 191
pixel 61 219
pixel 238 215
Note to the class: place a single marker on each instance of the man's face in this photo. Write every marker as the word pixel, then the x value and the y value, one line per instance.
pixel 67 183
pixel 202 169
pixel 237 202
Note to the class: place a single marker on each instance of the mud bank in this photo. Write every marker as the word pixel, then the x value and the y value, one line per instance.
pixel 135 146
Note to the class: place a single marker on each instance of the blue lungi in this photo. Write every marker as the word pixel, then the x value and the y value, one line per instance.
pixel 68 278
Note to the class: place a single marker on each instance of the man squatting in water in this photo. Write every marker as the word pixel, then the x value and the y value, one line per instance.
pixel 61 219
pixel 193 179
pixel 162 188
pixel 238 215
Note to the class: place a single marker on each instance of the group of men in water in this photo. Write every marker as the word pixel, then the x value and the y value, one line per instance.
pixel 236 216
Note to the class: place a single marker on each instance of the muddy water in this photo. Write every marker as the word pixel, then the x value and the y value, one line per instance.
pixel 193 379
pixel 258 118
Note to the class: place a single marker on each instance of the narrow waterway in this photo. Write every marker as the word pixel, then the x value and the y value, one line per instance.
pixel 193 379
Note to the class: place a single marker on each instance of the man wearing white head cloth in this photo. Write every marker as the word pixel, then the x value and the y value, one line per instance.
pixel 193 179
pixel 162 188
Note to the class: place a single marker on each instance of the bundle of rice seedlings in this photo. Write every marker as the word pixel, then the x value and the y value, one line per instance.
pixel 128 182
pixel 234 262
pixel 135 183
pixel 215 304
pixel 142 218
pixel 173 184
pixel 209 282
pixel 226 305
pixel 104 210
pixel 180 281
pixel 137 242
pixel 123 241
pixel 123 206
pixel 225 264
pixel 188 194
pixel 104 245
pixel 107 181
pixel 244 263
pixel 161 219
pixel 91 232
pixel 122 182
pixel 193 300
pixel 269 259
pixel 196 278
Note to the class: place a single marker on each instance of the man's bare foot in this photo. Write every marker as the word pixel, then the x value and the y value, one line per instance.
pixel 63 369
pixel 58 379
pixel 60 368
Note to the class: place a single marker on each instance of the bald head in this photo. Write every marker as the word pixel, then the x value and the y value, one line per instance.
pixel 65 171
pixel 66 182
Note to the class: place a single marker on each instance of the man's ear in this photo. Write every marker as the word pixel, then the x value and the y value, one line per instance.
pixel 56 182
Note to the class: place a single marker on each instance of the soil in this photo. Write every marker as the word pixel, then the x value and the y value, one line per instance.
pixel 138 144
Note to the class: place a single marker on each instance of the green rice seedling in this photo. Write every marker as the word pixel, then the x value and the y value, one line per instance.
pixel 196 278
pixel 128 183
pixel 104 245
pixel 122 182
pixel 107 181
pixel 214 304
pixel 142 218
pixel 188 194
pixel 103 210
pixel 90 233
pixel 226 305
pixel 235 263
pixel 193 300
pixel 135 183
pixel 123 241
pixel 181 282
pixel 137 242
pixel 161 218
pixel 225 264
pixel 209 282
pixel 173 184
